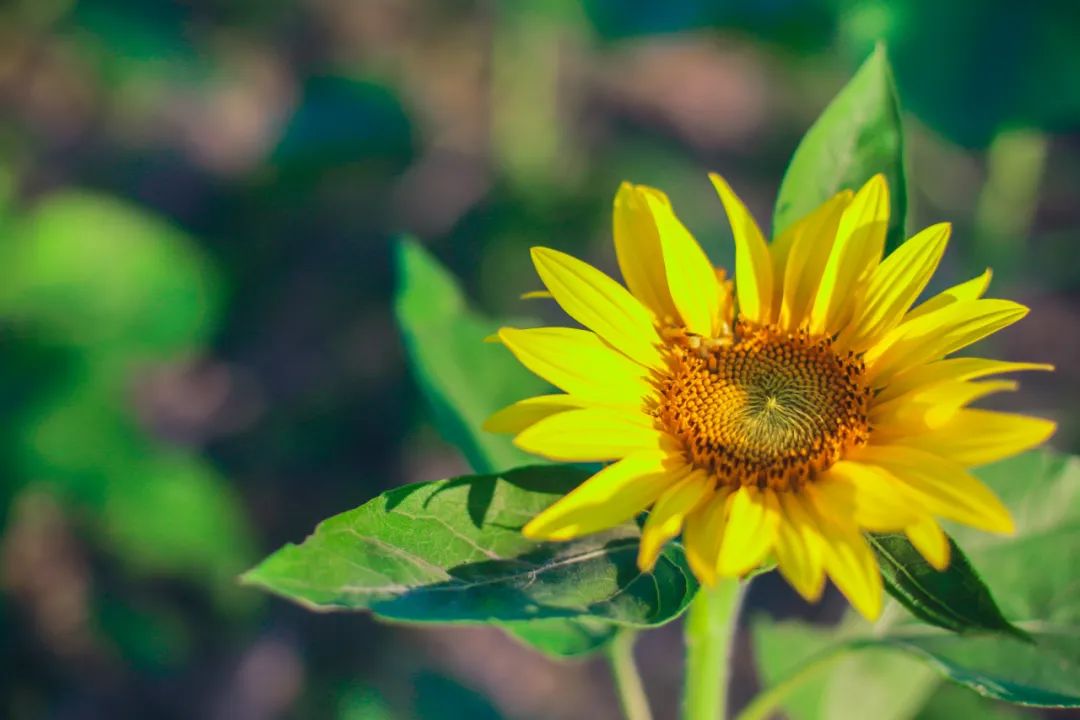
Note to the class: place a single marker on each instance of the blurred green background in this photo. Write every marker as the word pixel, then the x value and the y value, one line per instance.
pixel 198 358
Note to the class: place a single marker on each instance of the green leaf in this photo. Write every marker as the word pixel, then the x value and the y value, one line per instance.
pixel 445 345
pixel 955 599
pixel 561 638
pixel 162 511
pixel 931 44
pixel 1042 673
pixel 463 378
pixel 452 551
pixel 176 515
pixel 100 275
pixel 858 682
pixel 781 650
pixel 846 685
pixel 1034 576
pixel 857 136
pixel 359 702
pixel 98 288
pixel 951 701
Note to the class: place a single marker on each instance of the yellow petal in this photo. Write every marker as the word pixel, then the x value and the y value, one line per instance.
pixel 798 548
pixel 580 363
pixel 977 437
pixel 600 304
pixel 931 542
pixel 972 289
pixel 942 486
pixel 811 241
pixel 949 370
pixel 637 247
pixel 850 563
pixel 691 278
pixel 515 418
pixel 779 252
pixel 936 334
pixel 930 408
pixel 666 518
pixel 703 533
pixel 860 240
pixel 893 287
pixel 610 497
pixel 753 264
pixel 850 490
pixel 593 434
pixel 536 295
pixel 749 533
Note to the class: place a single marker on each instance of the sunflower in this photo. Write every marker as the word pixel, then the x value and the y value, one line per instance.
pixel 778 417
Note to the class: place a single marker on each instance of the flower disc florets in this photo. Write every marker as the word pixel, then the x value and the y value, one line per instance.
pixel 768 408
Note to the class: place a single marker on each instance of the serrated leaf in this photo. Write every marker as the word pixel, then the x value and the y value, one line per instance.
pixel 857 136
pixel 955 599
pixel 408 555
pixel 464 379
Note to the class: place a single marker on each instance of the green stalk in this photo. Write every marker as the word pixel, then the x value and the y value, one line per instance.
pixel 710 630
pixel 632 698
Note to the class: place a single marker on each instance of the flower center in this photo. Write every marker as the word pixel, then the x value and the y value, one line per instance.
pixel 767 409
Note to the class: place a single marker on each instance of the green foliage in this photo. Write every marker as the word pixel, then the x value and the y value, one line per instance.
pixel 971 68
pixel 874 683
pixel 955 599
pixel 104 289
pixel 452 551
pixel 857 136
pixel 150 635
pixel 562 638
pixel 445 344
pixel 340 121
pixel 1033 575
pixel 950 702
pixel 102 276
pixel 447 353
pixel 357 702
pixel 174 514
pixel 161 510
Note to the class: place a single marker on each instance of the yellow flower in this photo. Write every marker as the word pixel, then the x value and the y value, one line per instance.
pixel 779 419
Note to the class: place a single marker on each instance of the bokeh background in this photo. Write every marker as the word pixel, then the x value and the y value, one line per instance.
pixel 198 357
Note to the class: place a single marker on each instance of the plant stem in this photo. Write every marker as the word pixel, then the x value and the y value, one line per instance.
pixel 632 698
pixel 767 701
pixel 710 629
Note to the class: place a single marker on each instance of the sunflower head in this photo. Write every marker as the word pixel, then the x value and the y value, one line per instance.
pixel 780 416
